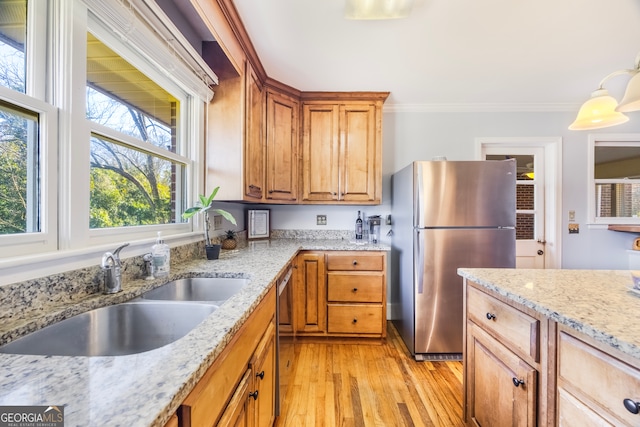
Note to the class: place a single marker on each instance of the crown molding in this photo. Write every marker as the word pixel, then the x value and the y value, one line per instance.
pixel 479 108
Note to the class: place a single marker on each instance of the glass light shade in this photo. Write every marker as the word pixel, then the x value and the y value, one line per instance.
pixel 377 9
pixel 631 99
pixel 597 112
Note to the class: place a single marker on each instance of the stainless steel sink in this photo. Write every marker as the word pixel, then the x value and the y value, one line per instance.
pixel 215 290
pixel 115 330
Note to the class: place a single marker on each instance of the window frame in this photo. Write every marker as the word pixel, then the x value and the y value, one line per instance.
pixel 53 93
pixel 607 140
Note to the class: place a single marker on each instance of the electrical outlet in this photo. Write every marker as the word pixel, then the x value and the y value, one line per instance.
pixel 574 228
pixel 217 222
pixel 572 216
pixel 321 220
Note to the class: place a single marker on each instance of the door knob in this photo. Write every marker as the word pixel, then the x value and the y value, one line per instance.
pixel 541 241
pixel 540 252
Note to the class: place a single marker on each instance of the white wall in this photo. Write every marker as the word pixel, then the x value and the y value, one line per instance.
pixel 410 136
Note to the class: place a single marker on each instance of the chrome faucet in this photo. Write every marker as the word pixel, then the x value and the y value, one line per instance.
pixel 111 269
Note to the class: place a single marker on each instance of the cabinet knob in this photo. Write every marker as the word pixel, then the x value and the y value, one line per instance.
pixel 491 316
pixel 355 262
pixel 631 405
pixel 254 395
pixel 355 320
pixel 355 289
pixel 260 375
pixel 517 382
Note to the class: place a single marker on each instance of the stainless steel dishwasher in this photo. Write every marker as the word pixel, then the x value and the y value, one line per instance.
pixel 285 348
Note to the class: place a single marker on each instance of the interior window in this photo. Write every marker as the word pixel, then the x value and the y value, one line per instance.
pixel 132 182
pixel 617 181
pixel 614 179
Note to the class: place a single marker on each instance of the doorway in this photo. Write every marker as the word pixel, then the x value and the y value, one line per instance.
pixel 538 204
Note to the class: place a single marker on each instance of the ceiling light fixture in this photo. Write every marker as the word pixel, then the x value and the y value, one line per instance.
pixel 377 9
pixel 602 110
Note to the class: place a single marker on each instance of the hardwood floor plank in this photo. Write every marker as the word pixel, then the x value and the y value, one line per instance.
pixel 338 384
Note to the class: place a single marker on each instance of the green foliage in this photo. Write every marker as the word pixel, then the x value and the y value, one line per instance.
pixel 203 205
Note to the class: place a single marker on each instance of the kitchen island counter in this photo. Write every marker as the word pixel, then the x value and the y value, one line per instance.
pixel 145 389
pixel 597 303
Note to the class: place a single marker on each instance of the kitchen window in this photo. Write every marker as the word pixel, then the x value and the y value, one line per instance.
pixel 84 167
pixel 136 176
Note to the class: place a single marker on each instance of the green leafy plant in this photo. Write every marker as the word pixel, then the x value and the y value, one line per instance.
pixel 203 205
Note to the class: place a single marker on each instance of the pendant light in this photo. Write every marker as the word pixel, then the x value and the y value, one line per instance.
pixel 602 110
pixel 377 9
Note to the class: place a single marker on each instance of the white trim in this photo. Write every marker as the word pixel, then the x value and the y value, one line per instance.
pixel 553 186
pixel 46 238
pixel 390 107
pixel 606 139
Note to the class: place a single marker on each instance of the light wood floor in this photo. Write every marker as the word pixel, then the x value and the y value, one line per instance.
pixel 371 385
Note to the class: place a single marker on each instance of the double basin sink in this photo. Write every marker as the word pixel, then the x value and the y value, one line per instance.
pixel 155 319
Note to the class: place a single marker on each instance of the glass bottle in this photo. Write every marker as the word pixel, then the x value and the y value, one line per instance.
pixel 359 227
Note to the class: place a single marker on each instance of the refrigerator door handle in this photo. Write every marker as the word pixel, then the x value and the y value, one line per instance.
pixel 418 263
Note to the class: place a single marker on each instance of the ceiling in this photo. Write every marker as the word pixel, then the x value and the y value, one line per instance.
pixel 451 54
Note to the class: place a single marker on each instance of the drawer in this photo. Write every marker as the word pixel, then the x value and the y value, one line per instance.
pixel 516 329
pixel 597 378
pixel 355 261
pixel 355 287
pixel 354 319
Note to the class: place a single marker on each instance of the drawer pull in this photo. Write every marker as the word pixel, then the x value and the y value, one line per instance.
pixel 355 320
pixel 632 406
pixel 491 316
pixel 260 375
pixel 517 382
pixel 355 262
pixel 254 395
pixel 355 289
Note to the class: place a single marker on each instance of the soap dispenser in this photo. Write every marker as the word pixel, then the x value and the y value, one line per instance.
pixel 160 257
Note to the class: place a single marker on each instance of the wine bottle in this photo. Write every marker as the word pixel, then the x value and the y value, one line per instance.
pixel 359 227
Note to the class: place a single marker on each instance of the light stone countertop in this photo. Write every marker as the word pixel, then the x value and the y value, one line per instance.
pixel 598 303
pixel 145 389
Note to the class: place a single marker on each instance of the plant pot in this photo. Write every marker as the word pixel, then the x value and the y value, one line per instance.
pixel 229 244
pixel 213 251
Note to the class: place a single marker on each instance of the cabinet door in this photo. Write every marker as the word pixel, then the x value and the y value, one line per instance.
pixel 240 408
pixel 282 147
pixel 320 152
pixel 309 296
pixel 501 387
pixel 254 137
pixel 359 155
pixel 264 373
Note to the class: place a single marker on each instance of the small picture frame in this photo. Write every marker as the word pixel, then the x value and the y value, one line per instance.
pixel 258 224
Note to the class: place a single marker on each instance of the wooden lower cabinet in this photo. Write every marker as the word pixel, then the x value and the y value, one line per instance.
pixel 595 383
pixel 508 365
pixel 229 393
pixel 341 294
pixel 309 304
pixel 501 387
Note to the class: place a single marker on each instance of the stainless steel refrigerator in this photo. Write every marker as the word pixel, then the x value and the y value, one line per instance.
pixel 447 214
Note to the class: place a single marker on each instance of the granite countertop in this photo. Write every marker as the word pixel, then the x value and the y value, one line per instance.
pixel 598 303
pixel 145 389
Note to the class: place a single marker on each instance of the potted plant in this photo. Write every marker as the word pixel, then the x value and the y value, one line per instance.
pixel 203 205
pixel 229 241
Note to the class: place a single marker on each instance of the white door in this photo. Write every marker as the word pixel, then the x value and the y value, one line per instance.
pixel 530 202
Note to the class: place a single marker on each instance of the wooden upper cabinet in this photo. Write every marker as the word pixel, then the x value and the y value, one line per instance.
pixel 320 152
pixel 342 149
pixel 281 147
pixel 254 157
